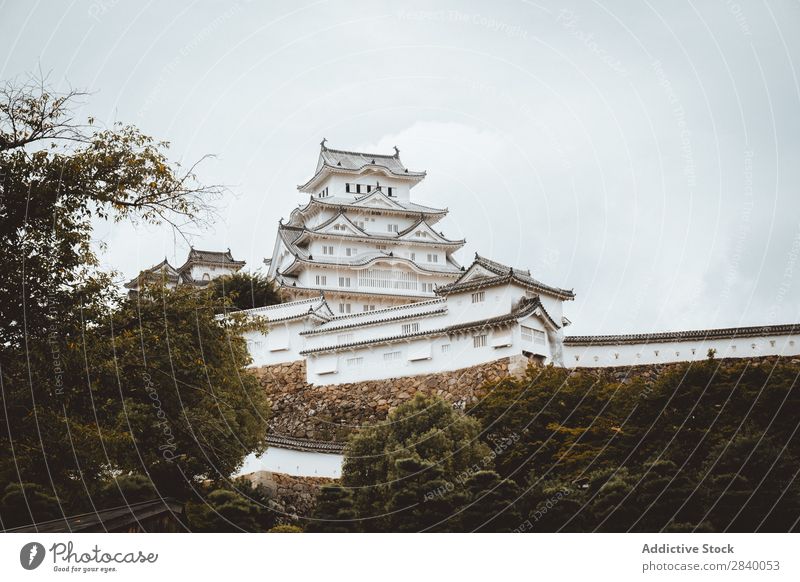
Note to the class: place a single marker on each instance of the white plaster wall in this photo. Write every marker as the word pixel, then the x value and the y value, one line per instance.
pixel 268 349
pixel 368 363
pixel 459 354
pixel 665 352
pixel 291 462
pixel 308 278
pixel 336 185
pixel 213 271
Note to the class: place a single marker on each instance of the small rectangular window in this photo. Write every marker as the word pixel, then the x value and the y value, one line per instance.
pixel 369 189
pixel 369 307
pixel 389 191
pixel 410 327
pixel 344 338
pixel 344 281
pixel 347 188
pixel 354 362
pixel 358 188
pixel 479 341
pixel 344 308
pixel 322 280
pixel 391 356
pixel 433 258
pixel 393 227
pixel 445 348
pixel 530 334
pixel 479 297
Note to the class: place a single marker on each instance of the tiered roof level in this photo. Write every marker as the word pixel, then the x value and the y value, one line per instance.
pixel 360 239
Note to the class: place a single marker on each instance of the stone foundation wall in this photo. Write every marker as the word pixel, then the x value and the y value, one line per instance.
pixel 332 412
pixel 293 498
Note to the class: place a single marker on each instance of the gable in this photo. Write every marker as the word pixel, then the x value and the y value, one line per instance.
pixel 377 199
pixel 475 273
pixel 422 232
pixel 341 225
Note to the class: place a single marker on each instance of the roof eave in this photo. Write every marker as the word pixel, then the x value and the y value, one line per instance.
pixel 310 186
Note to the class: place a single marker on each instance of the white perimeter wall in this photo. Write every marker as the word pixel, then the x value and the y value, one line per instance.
pixel 664 352
pixel 282 344
pixel 291 462
pixel 428 355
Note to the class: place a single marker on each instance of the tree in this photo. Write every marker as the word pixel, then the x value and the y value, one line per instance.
pixel 246 290
pixel 95 385
pixel 23 503
pixel 334 511
pixel 224 511
pixel 422 447
pixel 56 175
pixel 285 529
pixel 668 451
pixel 177 399
pixel 494 504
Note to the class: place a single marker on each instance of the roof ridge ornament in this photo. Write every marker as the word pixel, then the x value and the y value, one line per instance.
pixel 322 143
pixel 396 151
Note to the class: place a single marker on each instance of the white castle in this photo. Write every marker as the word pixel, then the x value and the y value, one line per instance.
pixel 374 292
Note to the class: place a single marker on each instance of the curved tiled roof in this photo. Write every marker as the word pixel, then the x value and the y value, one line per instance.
pixel 371 238
pixel 333 161
pixel 526 307
pixel 503 274
pixel 677 336
pixel 309 445
pixel 367 318
pixel 402 206
pixel 314 306
pixel 162 270
pixel 333 219
pixel 212 257
pixel 366 259
pixel 290 283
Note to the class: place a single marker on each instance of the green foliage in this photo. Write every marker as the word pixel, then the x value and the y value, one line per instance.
pixel 183 407
pixel 125 490
pixel 493 504
pixel 231 506
pixel 223 511
pixel 285 529
pixel 98 388
pixel 380 460
pixel 334 511
pixel 24 503
pixel 246 290
pixel 706 446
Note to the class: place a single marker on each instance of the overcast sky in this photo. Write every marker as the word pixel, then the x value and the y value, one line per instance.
pixel 644 154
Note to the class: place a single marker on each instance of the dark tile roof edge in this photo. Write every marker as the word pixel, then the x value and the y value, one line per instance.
pixel 501 279
pixel 442 309
pixel 523 310
pixel 309 445
pixel 676 336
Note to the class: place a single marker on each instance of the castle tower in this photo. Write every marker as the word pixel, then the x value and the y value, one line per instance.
pixel 360 239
